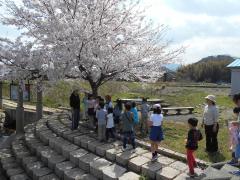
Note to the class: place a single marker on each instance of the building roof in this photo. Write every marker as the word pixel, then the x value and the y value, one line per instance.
pixel 235 64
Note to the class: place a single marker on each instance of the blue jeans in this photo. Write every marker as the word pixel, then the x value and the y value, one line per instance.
pixel 75 118
pixel 128 136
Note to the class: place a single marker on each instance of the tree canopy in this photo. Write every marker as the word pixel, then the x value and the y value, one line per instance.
pixel 96 40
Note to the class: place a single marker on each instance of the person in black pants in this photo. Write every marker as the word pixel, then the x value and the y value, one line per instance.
pixel 210 123
pixel 75 105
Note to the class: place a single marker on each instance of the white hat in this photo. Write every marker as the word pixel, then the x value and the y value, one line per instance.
pixel 155 106
pixel 211 98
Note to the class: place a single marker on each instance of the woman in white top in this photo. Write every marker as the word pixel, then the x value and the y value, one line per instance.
pixel 210 123
pixel 156 134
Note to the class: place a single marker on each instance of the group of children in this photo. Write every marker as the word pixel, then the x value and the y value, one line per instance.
pixel 108 118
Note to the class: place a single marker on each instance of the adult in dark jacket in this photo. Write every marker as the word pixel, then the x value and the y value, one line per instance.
pixel 75 105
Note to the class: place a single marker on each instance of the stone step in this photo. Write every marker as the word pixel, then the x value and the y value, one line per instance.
pixel 74 157
pixel 138 162
pixel 10 168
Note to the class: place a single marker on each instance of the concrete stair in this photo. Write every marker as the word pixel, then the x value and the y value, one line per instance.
pixel 49 150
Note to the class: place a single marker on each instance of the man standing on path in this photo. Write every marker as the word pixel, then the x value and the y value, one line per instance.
pixel 75 106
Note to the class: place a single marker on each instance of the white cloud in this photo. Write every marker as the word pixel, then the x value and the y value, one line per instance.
pixel 205 27
pixel 203 47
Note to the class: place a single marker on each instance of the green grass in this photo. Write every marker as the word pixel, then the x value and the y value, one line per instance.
pixel 57 94
pixel 176 133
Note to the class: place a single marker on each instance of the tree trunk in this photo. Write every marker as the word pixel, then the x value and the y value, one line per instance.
pixel 94 87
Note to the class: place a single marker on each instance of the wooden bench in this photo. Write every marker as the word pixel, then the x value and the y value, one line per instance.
pixel 178 109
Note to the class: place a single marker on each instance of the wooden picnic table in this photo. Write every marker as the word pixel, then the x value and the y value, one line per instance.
pixel 178 109
pixel 151 101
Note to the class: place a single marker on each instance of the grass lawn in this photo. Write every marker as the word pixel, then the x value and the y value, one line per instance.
pixel 57 94
pixel 176 133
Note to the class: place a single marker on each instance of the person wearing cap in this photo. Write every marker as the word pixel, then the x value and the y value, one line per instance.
pixel 156 133
pixel 210 123
pixel 75 106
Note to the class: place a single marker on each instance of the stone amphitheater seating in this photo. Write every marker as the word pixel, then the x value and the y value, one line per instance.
pixel 49 150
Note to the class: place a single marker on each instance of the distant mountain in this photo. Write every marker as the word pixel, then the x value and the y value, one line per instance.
pixel 211 69
pixel 216 58
pixel 172 67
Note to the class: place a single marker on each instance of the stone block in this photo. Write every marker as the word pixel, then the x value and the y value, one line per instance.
pixel 46 137
pixel 113 172
pixel 167 173
pixel 111 153
pixel 10 165
pixel 73 174
pixel 228 168
pixel 31 166
pixel 49 177
pixel 140 151
pixel 45 155
pixel 66 133
pixel 136 163
pixel 21 154
pixel 27 160
pixel 33 147
pixel 97 166
pixel 52 141
pixel 75 155
pixel 58 146
pixel 53 160
pixel 41 149
pixel 71 137
pixel 93 144
pixel 77 140
pixel 101 150
pixel 67 149
pixel 179 166
pixel 84 161
pixel 147 155
pixel 149 169
pixel 62 167
pixel 165 160
pixel 20 177
pixel 88 177
pixel 85 141
pixel 129 176
pixel 37 173
pixel 14 171
pixel 7 160
pixel 212 173
pixel 124 157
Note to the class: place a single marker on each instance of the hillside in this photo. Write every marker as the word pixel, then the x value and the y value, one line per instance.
pixel 211 69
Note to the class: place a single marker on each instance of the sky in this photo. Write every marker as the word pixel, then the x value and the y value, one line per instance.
pixel 204 27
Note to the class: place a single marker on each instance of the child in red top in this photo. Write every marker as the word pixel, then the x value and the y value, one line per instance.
pixel 194 135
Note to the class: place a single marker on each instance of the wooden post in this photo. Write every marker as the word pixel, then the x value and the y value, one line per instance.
pixel 1 98
pixel 39 105
pixel 20 112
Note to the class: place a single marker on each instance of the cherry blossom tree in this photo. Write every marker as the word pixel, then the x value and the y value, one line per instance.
pixel 96 40
pixel 23 62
